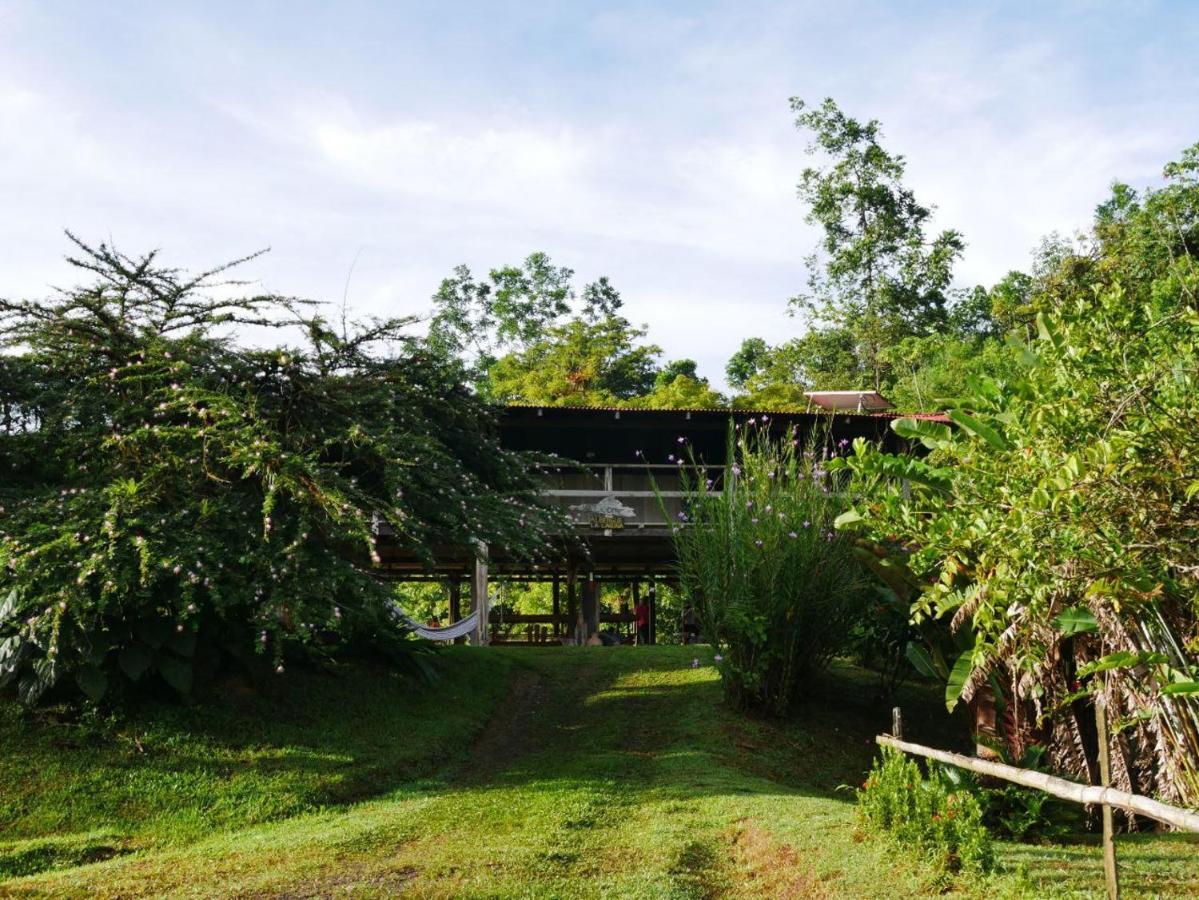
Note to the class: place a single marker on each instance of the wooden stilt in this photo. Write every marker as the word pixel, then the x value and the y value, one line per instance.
pixel 478 597
pixel 636 600
pixel 557 604
pixel 456 604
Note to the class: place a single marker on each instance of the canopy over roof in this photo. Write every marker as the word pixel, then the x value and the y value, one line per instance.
pixel 852 401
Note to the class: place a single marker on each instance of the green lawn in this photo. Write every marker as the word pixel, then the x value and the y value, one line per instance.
pixel 526 773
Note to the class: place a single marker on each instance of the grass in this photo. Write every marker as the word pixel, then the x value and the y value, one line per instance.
pixel 600 772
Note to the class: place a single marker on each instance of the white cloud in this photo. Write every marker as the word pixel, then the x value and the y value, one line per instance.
pixel 652 147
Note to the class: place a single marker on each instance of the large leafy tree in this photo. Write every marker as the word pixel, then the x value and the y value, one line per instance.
pixel 1057 522
pixel 878 275
pixel 578 363
pixel 476 321
pixel 171 498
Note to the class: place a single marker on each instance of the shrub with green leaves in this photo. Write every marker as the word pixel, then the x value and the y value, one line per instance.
pixel 777 590
pixel 1056 520
pixel 943 822
pixel 170 499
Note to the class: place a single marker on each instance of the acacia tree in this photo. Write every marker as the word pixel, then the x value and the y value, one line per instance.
pixel 877 275
pixel 171 498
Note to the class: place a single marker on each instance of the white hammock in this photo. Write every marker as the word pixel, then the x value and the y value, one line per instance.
pixel 449 633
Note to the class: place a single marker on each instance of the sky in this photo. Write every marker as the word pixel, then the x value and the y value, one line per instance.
pixel 374 146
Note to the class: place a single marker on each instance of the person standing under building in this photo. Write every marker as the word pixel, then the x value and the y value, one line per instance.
pixel 690 625
pixel 641 617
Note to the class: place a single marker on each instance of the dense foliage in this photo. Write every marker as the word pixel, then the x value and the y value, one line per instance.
pixel 171 499
pixel 931 815
pixel 1058 519
pixel 776 589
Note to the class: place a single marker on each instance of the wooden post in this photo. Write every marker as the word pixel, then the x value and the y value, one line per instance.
pixel 591 592
pixel 478 597
pixel 636 603
pixel 1105 777
pixel 456 605
pixel 557 603
pixel 572 602
pixel 896 723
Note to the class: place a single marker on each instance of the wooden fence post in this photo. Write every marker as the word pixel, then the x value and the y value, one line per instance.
pixel 896 723
pixel 1105 777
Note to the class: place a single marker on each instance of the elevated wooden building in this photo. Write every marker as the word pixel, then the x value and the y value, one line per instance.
pixel 621 462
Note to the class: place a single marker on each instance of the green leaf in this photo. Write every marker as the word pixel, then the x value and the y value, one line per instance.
pixel 12 649
pixel 979 428
pixel 1182 687
pixel 849 517
pixel 92 681
pixel 933 435
pixel 920 659
pixel 153 632
pixel 183 642
pixel 1047 330
pixel 957 679
pixel 1077 620
pixel 1124 659
pixel 175 672
pixel 8 608
pixel 135 659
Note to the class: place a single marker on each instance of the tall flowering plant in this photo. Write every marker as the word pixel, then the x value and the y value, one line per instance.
pixel 777 589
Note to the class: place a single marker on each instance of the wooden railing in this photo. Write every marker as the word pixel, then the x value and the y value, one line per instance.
pixel 1104 795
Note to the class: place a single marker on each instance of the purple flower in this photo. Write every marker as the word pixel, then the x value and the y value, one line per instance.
pixel 753 521
pixel 736 470
pixel 806 523
pixel 671 457
pixel 749 504
pixel 753 421
pixel 792 534
pixel 758 543
pixel 682 440
pixel 682 517
pixel 844 442
pixel 765 418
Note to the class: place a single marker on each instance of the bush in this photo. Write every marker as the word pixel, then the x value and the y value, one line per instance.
pixel 170 500
pixel 776 589
pixel 943 823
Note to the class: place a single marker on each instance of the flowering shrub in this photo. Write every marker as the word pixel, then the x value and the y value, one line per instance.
pixel 170 500
pixel 776 588
pixel 943 823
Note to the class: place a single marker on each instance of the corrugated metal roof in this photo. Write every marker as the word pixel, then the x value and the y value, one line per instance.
pixel 727 410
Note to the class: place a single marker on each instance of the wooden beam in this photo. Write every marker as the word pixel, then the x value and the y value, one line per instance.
pixel 1182 819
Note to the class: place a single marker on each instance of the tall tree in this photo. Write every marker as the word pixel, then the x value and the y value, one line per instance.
pixel 877 274
pixel 475 321
pixel 578 363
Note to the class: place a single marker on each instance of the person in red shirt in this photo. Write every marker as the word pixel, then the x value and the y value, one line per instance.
pixel 641 616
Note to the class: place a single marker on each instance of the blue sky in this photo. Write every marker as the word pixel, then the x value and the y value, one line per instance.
pixel 651 142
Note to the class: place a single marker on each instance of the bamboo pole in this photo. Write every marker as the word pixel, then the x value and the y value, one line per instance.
pixel 1105 778
pixel 1182 819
